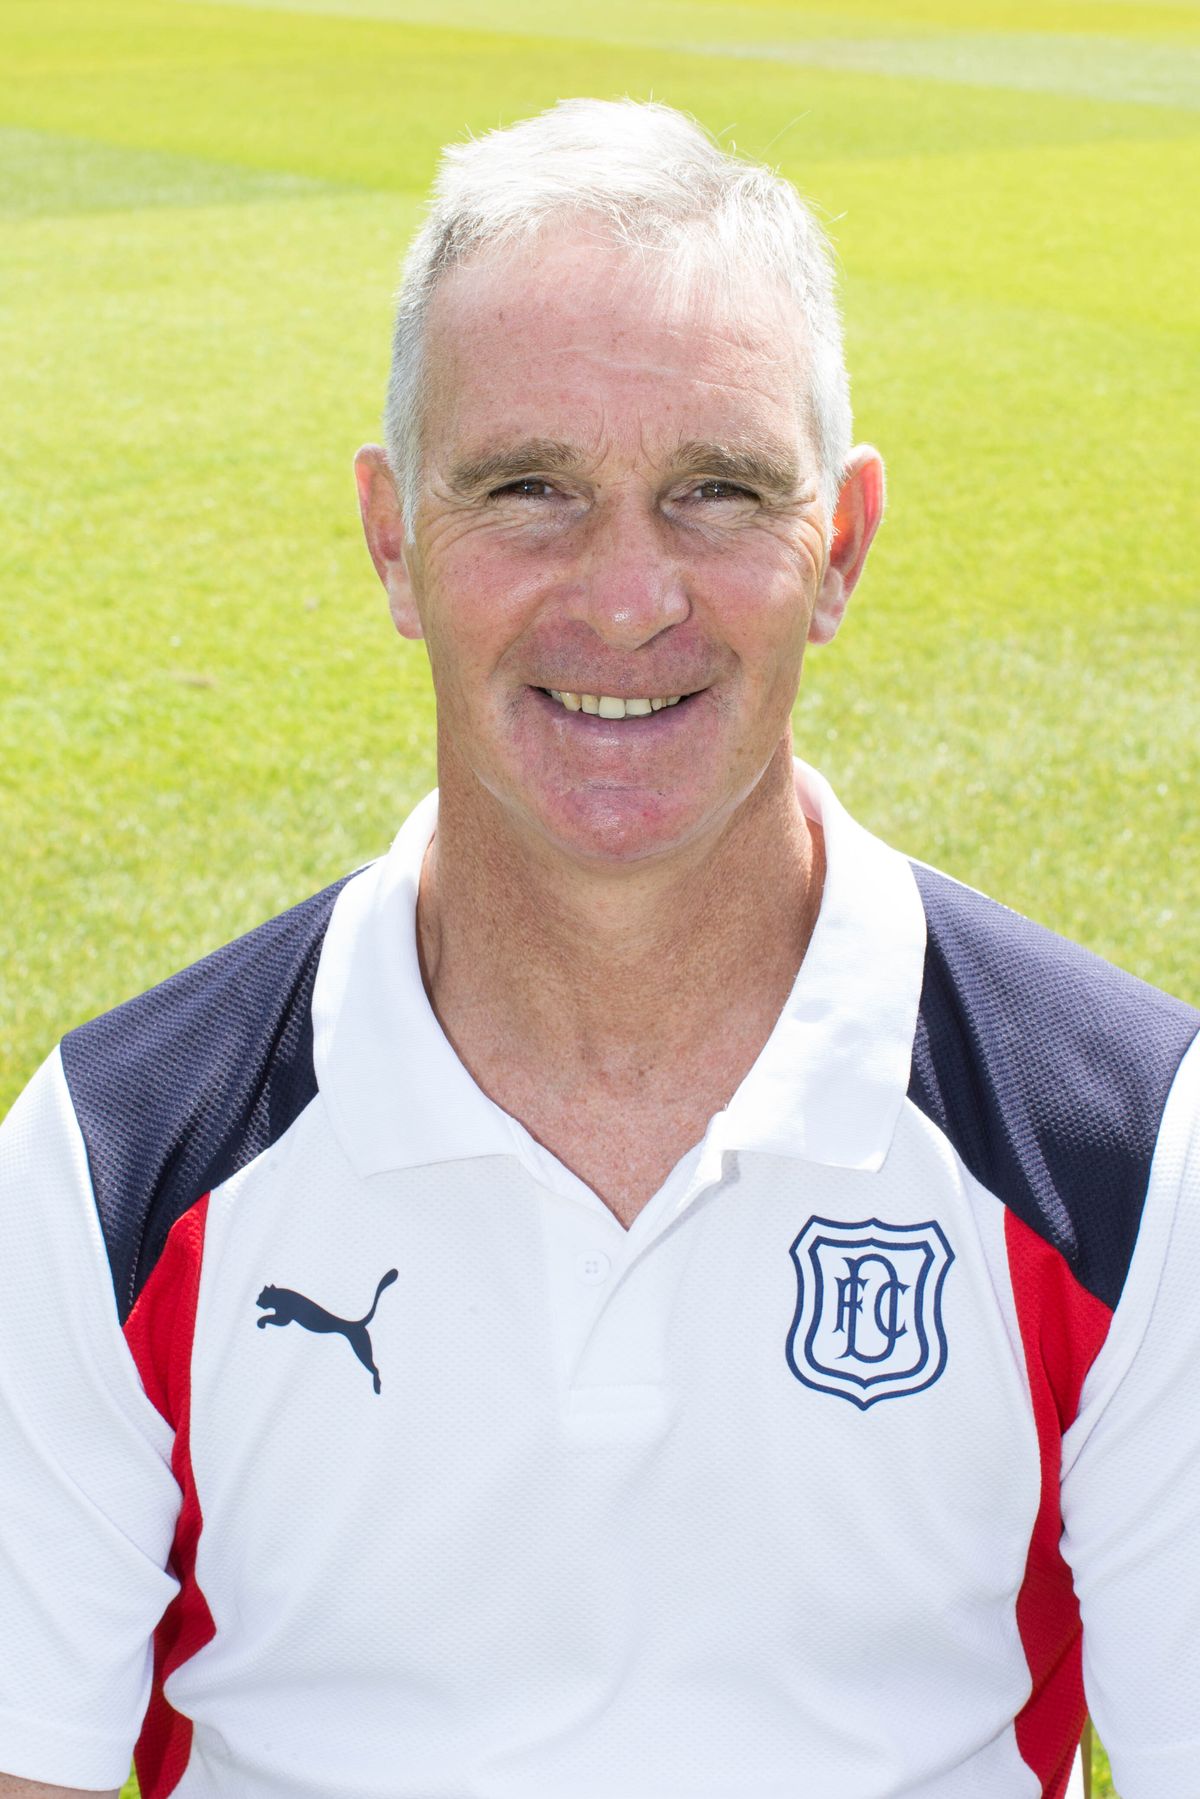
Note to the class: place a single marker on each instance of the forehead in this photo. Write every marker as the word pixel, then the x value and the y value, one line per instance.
pixel 586 342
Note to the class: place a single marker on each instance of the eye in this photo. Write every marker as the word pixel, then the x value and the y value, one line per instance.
pixel 525 487
pixel 717 489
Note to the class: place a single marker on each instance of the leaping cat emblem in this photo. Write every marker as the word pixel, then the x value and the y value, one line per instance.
pixel 294 1308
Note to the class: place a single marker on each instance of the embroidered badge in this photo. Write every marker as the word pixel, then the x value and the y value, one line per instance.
pixel 868 1322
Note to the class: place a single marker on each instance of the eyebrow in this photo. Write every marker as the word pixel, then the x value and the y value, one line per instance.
pixel 492 468
pixel 771 469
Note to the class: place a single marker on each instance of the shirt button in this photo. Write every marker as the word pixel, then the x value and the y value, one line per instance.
pixel 592 1267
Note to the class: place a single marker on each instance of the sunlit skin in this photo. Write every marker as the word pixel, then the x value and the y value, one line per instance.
pixel 619 495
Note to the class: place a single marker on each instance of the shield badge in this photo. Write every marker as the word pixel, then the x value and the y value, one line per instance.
pixel 868 1322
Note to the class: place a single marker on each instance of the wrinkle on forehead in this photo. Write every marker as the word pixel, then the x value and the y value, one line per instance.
pixel 619 361
pixel 576 314
pixel 545 279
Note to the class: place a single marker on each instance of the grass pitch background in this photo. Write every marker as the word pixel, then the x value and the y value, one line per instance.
pixel 204 712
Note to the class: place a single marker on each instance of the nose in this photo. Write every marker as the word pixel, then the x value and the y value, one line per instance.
pixel 630 583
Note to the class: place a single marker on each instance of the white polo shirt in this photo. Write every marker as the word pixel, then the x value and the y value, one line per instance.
pixel 351 1449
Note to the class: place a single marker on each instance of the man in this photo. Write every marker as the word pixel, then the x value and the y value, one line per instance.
pixel 750 1251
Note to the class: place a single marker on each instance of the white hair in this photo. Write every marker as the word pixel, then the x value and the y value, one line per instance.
pixel 652 180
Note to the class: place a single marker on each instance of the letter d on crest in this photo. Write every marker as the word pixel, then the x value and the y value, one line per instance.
pixel 868 1323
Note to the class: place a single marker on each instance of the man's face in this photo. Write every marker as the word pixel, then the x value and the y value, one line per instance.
pixel 619 499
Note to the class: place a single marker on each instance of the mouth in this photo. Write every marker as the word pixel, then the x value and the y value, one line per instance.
pixel 613 706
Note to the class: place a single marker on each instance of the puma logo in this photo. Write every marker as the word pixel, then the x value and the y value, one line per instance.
pixel 294 1308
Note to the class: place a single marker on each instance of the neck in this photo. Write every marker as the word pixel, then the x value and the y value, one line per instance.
pixel 608 974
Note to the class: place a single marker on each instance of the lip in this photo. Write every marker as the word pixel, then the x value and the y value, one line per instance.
pixel 616 731
pixel 623 743
pixel 666 719
pixel 653 763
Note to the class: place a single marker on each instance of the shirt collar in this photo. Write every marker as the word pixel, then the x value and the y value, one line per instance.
pixel 832 1076
pixel 827 1086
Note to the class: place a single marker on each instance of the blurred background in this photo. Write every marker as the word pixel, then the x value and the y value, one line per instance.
pixel 204 712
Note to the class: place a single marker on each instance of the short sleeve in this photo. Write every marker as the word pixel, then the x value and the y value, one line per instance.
pixel 1131 1484
pixel 88 1502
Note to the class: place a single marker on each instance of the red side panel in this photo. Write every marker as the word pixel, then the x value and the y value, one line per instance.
pixel 1062 1329
pixel 159 1332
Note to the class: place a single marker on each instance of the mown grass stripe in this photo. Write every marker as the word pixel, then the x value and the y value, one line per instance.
pixel 52 172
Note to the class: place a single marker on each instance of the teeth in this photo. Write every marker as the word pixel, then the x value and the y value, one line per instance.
pixel 608 705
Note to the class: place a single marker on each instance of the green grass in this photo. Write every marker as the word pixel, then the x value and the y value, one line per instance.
pixel 204 713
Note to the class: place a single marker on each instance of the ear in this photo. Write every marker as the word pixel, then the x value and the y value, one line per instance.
pixel 383 526
pixel 856 519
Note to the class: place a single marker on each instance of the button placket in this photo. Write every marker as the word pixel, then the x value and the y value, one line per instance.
pixel 610 1291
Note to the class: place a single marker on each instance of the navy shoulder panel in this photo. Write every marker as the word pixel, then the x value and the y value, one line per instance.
pixel 1048 1070
pixel 179 1088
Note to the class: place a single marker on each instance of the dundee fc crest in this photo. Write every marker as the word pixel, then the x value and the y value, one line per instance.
pixel 868 1322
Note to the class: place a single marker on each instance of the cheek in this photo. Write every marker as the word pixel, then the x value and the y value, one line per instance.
pixel 474 610
pixel 765 618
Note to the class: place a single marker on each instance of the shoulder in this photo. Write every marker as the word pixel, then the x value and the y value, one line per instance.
pixel 175 1090
pixel 1049 1071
